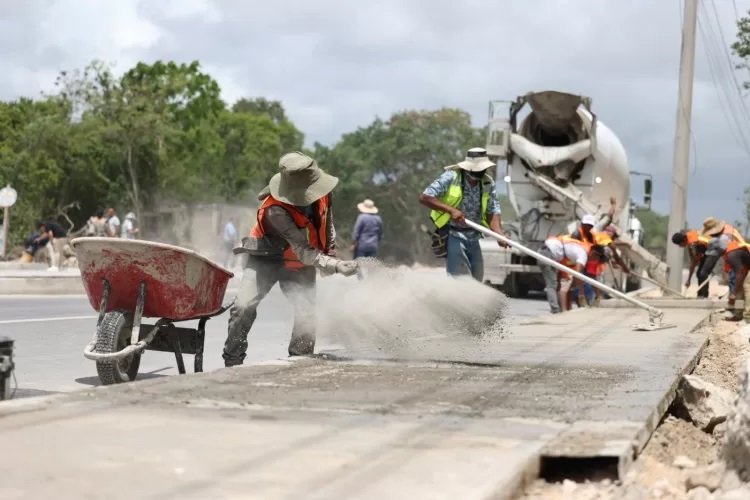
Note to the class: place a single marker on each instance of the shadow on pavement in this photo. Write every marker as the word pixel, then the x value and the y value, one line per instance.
pixel 94 381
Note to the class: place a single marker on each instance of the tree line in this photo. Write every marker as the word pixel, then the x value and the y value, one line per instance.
pixel 161 131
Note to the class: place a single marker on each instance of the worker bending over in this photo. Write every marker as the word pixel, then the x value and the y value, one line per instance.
pixel 292 236
pixel 737 259
pixel 570 252
pixel 463 191
pixel 697 245
pixel 721 235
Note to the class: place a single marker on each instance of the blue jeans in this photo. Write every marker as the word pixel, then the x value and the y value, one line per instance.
pixel 464 256
pixel 367 252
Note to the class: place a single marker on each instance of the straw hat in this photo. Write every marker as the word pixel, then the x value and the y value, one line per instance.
pixel 476 161
pixel 712 226
pixel 300 181
pixel 367 207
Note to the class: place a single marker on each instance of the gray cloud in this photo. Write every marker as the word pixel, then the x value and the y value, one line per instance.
pixel 338 65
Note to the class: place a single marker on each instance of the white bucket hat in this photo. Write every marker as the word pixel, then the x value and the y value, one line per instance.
pixel 476 161
pixel 588 220
pixel 367 207
pixel 300 181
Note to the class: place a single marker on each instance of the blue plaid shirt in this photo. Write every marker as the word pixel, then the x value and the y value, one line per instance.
pixel 471 201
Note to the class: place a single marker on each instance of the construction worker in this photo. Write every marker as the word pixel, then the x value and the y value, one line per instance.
pixel 696 245
pixel 722 235
pixel 602 253
pixel 293 235
pixel 571 252
pixel 737 259
pixel 464 191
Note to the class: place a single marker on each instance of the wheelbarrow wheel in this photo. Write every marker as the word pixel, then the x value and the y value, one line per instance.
pixel 114 335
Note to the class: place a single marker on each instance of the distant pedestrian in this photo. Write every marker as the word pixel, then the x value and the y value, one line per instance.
pixel 113 223
pixel 229 241
pixel 97 225
pixel 368 230
pixel 129 227
pixel 56 238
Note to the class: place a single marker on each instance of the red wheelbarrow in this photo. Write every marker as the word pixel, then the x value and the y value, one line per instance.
pixel 127 280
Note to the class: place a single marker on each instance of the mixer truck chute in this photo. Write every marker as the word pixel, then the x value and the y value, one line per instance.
pixel 560 162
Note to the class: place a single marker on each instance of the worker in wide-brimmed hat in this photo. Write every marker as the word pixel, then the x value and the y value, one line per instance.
pixel 368 230
pixel 464 191
pixel 722 236
pixel 293 235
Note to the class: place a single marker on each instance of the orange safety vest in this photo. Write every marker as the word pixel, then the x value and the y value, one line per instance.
pixel 567 239
pixel 694 236
pixel 732 232
pixel 317 235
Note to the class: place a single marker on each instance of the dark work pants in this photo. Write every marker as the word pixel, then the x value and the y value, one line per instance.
pixel 258 279
pixel 705 268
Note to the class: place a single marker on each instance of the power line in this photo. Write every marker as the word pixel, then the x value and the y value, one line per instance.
pixel 736 113
pixel 724 103
pixel 737 86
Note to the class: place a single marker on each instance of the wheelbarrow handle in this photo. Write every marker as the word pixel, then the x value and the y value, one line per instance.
pixel 89 353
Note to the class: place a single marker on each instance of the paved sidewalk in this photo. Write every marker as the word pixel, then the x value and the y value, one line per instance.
pixel 462 417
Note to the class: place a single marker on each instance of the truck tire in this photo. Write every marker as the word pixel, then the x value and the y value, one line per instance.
pixel 515 287
pixel 113 335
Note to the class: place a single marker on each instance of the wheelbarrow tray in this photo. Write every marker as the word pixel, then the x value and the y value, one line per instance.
pixel 180 284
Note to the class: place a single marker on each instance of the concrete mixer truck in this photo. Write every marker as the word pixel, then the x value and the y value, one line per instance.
pixel 559 162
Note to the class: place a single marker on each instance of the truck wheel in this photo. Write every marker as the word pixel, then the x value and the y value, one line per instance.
pixel 113 335
pixel 515 287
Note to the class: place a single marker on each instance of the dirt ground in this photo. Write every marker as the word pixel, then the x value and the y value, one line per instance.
pixel 654 475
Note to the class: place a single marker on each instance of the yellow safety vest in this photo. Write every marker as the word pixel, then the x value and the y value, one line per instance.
pixel 453 198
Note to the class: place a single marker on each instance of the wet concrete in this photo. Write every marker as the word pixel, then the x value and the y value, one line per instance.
pixel 460 416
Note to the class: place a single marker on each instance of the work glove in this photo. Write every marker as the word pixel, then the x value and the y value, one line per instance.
pixel 347 267
pixel 329 265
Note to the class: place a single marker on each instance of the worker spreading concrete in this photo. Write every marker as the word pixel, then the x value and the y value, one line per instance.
pixel 572 252
pixel 463 191
pixel 293 235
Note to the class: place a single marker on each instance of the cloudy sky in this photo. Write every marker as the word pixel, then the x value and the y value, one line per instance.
pixel 337 65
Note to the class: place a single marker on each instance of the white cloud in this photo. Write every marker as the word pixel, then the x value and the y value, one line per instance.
pixel 336 65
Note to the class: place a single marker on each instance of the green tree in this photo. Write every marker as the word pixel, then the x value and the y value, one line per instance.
pixel 290 137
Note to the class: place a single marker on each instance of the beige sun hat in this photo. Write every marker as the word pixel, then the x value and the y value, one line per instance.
pixel 476 161
pixel 712 226
pixel 300 180
pixel 367 207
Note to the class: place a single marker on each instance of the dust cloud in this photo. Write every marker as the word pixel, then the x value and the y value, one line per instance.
pixel 397 311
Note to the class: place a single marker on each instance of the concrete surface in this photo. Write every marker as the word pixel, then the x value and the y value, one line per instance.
pixel 462 417
pixel 50 333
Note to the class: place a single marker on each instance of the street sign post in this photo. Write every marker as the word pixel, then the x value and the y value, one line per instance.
pixel 8 197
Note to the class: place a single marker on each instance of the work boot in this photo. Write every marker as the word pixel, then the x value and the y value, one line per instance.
pixel 230 360
pixel 596 302
pixel 302 346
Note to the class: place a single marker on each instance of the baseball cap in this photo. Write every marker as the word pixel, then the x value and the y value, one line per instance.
pixel 588 219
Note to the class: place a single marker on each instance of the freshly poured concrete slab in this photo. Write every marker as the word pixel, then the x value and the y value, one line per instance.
pixel 460 417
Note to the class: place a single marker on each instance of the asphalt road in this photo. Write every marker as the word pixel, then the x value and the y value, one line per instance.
pixel 51 332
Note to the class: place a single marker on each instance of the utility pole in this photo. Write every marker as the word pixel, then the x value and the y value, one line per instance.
pixel 677 215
